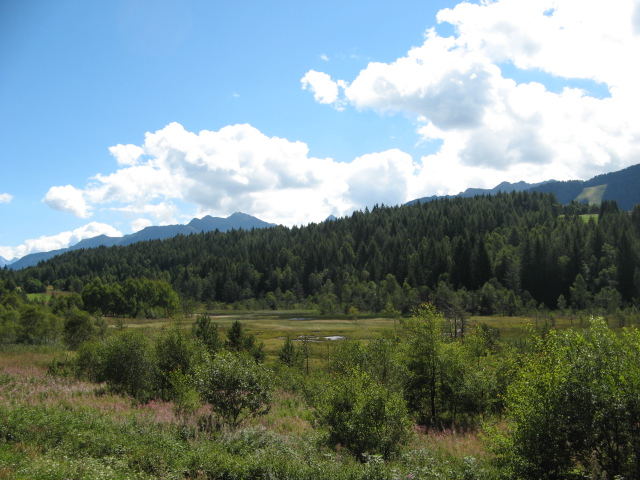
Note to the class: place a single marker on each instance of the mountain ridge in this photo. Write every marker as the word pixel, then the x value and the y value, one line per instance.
pixel 236 221
pixel 623 186
pixel 4 261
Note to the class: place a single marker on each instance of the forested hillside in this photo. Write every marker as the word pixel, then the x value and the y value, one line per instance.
pixel 499 253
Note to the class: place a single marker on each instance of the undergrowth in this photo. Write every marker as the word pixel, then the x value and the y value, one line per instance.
pixel 52 427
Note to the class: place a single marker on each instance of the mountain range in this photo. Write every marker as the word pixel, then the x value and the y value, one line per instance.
pixel 4 261
pixel 208 223
pixel 622 186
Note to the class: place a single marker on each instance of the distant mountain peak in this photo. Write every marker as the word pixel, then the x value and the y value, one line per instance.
pixel 236 221
pixel 621 186
pixel 4 261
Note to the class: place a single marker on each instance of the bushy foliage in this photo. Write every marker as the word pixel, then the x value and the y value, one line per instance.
pixel 237 387
pixel 37 325
pixel 364 416
pixel 574 407
pixel 181 362
pixel 78 328
pixel 126 362
pixel 135 297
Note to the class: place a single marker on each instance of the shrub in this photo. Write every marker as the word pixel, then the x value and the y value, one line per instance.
pixel 364 416
pixel 125 361
pixel 78 328
pixel 575 406
pixel 237 387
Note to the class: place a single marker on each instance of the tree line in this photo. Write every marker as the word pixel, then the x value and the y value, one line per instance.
pixel 499 254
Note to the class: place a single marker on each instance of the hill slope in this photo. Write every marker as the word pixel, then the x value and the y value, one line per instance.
pixel 208 223
pixel 507 248
pixel 622 186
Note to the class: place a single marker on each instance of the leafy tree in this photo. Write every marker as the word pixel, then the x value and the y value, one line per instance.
pixel 364 416
pixel 574 407
pixel 237 387
pixel 34 285
pixel 424 361
pixel 580 296
pixel 37 325
pixel 78 328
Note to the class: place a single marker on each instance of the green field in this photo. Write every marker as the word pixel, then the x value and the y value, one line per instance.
pixel 324 332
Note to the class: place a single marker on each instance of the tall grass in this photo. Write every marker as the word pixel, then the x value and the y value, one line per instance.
pixel 54 427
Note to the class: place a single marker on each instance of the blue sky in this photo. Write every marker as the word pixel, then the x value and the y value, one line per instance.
pixel 119 115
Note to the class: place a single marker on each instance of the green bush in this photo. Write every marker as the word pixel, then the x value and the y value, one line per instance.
pixel 364 416
pixel 574 408
pixel 125 361
pixel 237 387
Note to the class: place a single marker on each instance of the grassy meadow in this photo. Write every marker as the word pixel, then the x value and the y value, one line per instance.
pixel 54 426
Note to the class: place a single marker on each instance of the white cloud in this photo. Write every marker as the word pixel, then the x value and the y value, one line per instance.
pixel 126 154
pixel 492 128
pixel 164 213
pixel 5 197
pixel 324 57
pixel 238 168
pixel 140 223
pixel 61 240
pixel 380 178
pixel 67 199
pixel 324 89
pixel 570 38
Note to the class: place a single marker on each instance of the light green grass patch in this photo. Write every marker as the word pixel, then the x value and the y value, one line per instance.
pixel 593 195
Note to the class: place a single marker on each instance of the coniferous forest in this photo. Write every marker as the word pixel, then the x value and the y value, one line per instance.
pixel 489 254
pixel 128 369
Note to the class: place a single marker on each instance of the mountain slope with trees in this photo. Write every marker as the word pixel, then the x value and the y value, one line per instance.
pixel 485 254
pixel 621 187
pixel 198 225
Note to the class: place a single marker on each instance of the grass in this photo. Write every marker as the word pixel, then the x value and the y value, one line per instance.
pixel 586 217
pixel 52 427
pixel 271 327
pixel 592 194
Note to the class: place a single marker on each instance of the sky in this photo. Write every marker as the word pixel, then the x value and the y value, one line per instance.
pixel 119 115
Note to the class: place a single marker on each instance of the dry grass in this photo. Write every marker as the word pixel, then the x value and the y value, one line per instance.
pixel 458 443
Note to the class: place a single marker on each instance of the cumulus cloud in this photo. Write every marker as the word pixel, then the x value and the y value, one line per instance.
pixel 67 199
pixel 61 240
pixel 380 178
pixel 323 88
pixel 126 154
pixel 164 213
pixel 492 128
pixel 5 198
pixel 238 168
pixel 140 223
